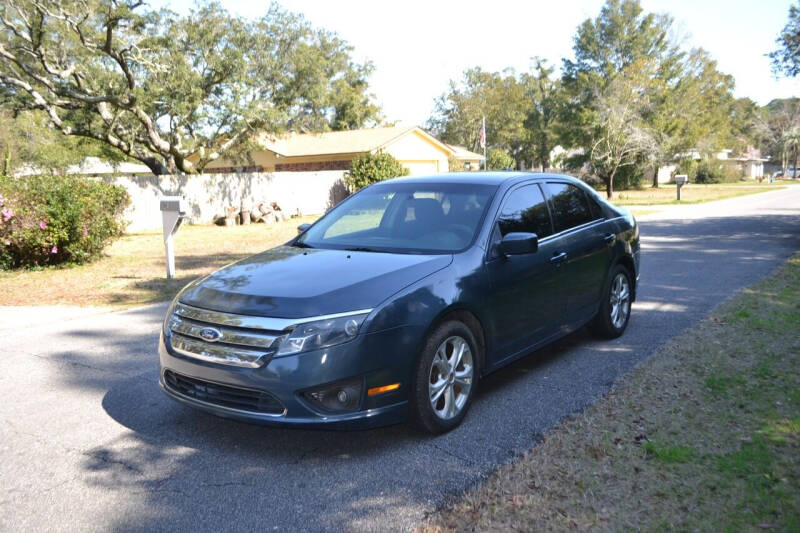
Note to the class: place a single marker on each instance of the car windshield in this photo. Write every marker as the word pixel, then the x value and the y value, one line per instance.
pixel 403 217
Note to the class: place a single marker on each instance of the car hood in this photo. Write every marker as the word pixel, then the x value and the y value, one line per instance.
pixel 290 282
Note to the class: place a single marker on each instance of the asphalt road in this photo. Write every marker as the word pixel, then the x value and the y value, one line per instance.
pixel 89 442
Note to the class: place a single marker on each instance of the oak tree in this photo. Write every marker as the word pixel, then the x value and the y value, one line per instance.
pixel 176 92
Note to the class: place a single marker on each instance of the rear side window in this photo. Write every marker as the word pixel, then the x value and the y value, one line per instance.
pixel 596 203
pixel 525 210
pixel 570 206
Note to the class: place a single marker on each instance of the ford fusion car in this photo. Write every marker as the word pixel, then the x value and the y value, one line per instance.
pixel 397 302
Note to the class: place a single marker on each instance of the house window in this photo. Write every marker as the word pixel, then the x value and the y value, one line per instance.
pixel 312 166
pixel 234 170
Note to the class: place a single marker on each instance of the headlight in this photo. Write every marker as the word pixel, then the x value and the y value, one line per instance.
pixel 321 334
pixel 169 317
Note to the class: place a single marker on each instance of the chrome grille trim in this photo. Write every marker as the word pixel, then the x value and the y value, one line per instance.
pixel 191 328
pixel 252 322
pixel 216 353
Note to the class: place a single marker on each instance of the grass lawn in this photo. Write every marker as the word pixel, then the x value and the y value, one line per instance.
pixel 692 193
pixel 133 271
pixel 704 436
pixel 639 212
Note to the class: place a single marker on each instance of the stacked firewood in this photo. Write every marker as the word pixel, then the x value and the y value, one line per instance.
pixel 264 212
pixel 267 212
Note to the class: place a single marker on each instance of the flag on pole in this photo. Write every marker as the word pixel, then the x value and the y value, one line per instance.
pixel 483 133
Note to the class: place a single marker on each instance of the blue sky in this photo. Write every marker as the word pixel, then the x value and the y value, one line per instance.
pixel 419 45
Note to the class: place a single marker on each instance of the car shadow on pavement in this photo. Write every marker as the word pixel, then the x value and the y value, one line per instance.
pixel 184 469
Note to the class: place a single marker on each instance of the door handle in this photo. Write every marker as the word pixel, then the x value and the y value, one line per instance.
pixel 557 258
pixel 610 238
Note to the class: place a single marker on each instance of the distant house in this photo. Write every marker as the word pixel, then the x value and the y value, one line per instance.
pixel 94 166
pixel 417 150
pixel 468 160
pixel 749 162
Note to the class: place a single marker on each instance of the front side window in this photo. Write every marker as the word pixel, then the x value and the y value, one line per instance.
pixel 570 206
pixel 525 210
pixel 404 218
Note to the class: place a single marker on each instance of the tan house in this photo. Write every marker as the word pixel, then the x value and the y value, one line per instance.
pixel 468 160
pixel 418 151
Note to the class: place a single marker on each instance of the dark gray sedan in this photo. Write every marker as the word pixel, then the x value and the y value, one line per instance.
pixel 396 302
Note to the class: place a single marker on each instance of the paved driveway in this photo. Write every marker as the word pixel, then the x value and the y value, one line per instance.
pixel 88 442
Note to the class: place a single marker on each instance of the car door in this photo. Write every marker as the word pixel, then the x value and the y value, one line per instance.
pixel 585 239
pixel 524 304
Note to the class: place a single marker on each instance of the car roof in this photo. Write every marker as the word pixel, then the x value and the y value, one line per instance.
pixel 479 178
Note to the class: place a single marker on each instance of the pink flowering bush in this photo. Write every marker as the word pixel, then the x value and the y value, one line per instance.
pixel 47 220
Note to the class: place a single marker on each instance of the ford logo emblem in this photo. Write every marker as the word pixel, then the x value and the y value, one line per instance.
pixel 210 334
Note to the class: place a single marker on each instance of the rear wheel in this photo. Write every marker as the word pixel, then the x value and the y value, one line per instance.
pixel 615 307
pixel 445 378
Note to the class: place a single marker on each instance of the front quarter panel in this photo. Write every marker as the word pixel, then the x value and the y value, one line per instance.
pixel 462 285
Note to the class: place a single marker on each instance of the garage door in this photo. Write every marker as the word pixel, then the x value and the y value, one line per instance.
pixel 421 168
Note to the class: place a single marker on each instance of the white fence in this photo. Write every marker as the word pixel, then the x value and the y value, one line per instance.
pixel 208 195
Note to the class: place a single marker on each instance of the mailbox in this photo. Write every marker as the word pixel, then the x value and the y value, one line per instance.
pixel 680 181
pixel 173 211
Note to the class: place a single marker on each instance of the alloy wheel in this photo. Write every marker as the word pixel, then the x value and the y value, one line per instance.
pixel 451 376
pixel 620 300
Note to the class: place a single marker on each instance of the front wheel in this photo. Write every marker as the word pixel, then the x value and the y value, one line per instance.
pixel 445 378
pixel 615 307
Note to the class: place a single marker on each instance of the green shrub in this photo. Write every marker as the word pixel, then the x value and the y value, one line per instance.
pixel 368 168
pixel 716 171
pixel 47 220
pixel 454 165
pixel 628 177
pixel 499 160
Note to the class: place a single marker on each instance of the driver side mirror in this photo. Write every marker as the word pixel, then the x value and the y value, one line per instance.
pixel 519 243
pixel 302 227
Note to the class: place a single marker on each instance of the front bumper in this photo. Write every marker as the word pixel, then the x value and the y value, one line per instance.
pixel 377 359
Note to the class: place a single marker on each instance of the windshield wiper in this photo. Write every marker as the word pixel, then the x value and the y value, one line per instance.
pixel 361 249
pixel 300 244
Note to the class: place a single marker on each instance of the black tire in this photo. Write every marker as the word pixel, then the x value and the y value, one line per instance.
pixel 604 325
pixel 422 412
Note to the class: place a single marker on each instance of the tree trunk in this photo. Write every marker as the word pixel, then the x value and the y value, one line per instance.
pixel 784 162
pixel 610 185
pixel 7 162
pixel 794 173
pixel 655 178
pixel 155 165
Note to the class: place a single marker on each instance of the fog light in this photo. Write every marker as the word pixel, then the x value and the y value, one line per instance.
pixel 341 397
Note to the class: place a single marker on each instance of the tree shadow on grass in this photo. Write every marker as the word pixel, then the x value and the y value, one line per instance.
pixel 161 288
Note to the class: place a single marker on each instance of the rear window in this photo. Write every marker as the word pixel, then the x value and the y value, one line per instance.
pixel 570 206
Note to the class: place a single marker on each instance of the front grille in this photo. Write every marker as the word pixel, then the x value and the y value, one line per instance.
pixel 223 395
pixel 222 338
